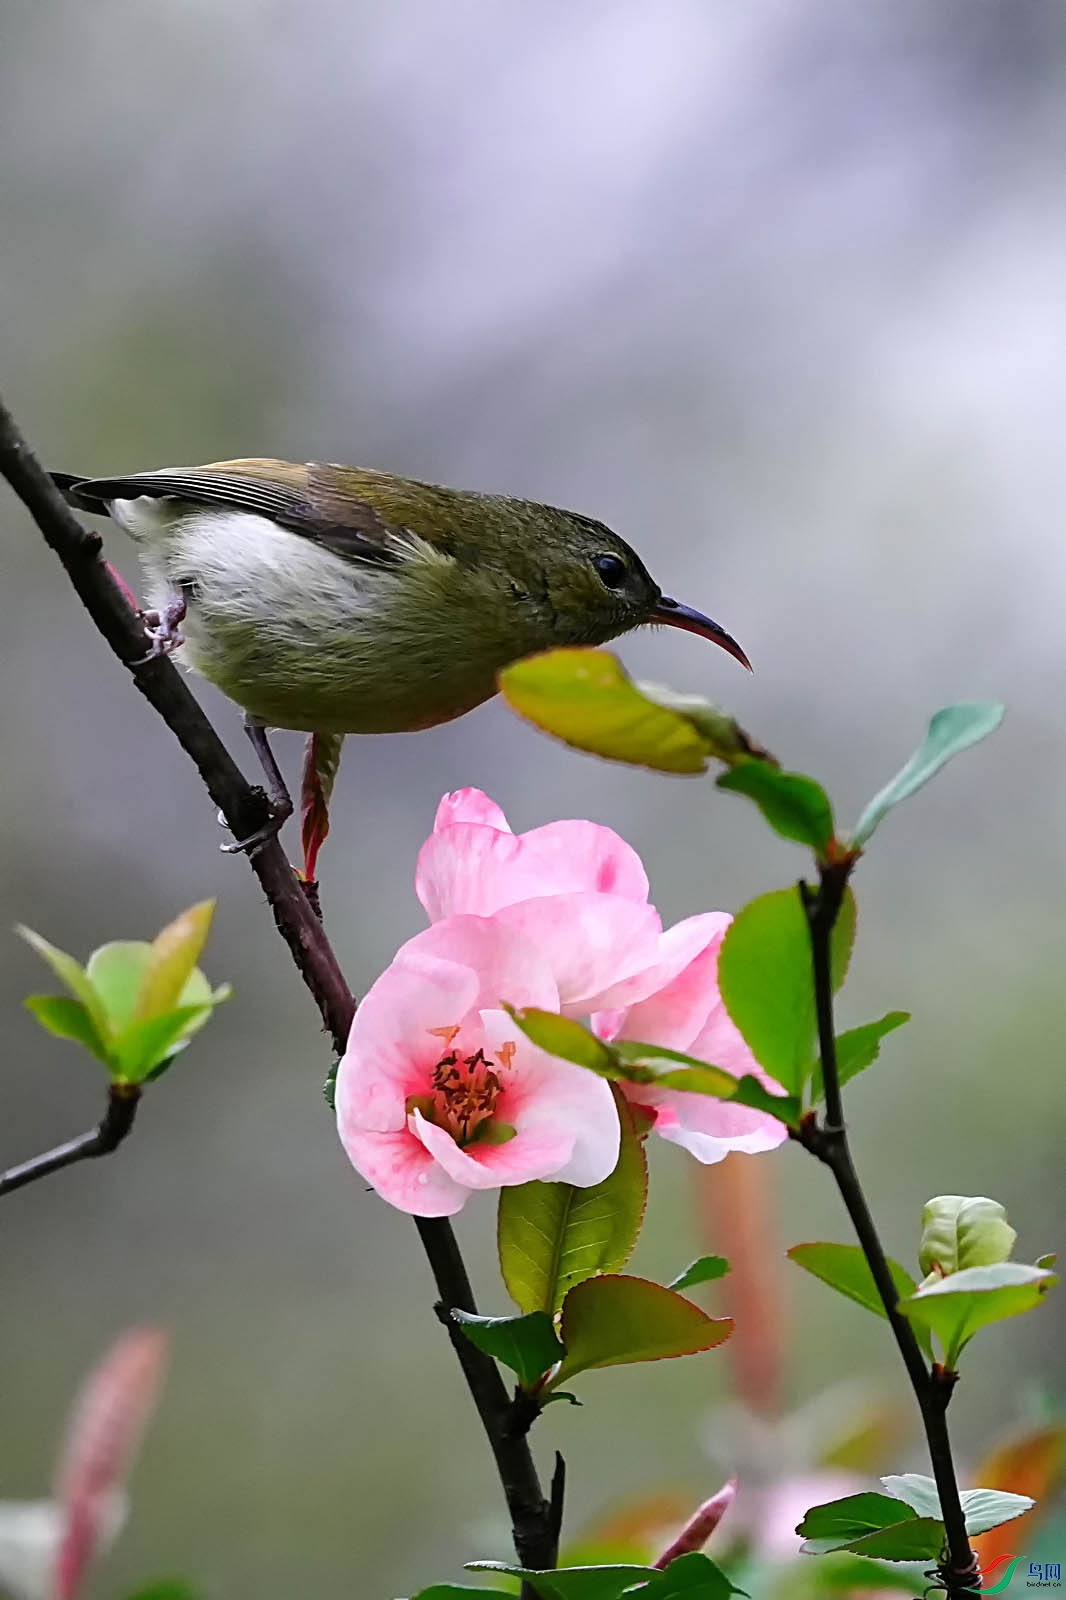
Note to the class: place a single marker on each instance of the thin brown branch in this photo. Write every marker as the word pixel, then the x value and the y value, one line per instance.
pixel 959 1570
pixel 116 1122
pixel 535 1522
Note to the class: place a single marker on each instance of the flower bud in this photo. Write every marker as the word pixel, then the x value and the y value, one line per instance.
pixel 962 1231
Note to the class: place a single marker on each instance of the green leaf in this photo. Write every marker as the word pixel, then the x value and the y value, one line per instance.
pixel 68 1019
pixel 552 1236
pixel 963 1231
pixel 983 1508
pixel 145 1045
pixel 571 1583
pixel 70 972
pixel 689 1577
pixel 172 1589
pixel 175 952
pixel 612 1321
pixel 629 1061
pixel 587 699
pixel 844 1268
pixel 857 1049
pixel 795 806
pixel 462 1591
pixel 115 971
pixel 954 1308
pixel 875 1525
pixel 951 730
pixel 764 973
pixel 525 1344
pixel 559 1036
pixel 705 1270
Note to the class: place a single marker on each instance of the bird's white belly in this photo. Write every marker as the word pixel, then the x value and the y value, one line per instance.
pixel 295 634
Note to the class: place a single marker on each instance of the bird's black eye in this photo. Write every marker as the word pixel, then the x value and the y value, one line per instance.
pixel 612 571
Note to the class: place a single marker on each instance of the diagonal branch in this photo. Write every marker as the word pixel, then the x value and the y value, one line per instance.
pixel 535 1521
pixel 116 1122
pixel 245 808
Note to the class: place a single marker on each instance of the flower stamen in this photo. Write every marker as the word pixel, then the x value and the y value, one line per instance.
pixel 465 1091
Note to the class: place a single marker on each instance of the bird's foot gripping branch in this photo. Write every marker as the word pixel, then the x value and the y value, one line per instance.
pixel 532 1037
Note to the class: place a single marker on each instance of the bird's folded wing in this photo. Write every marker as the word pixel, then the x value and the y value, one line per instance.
pixel 300 498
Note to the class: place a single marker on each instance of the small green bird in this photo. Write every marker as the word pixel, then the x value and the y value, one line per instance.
pixel 340 600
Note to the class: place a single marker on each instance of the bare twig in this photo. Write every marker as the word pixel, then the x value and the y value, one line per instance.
pixel 116 1122
pixel 246 809
pixel 959 1570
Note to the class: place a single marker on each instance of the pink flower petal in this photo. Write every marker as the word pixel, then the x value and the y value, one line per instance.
pixel 472 863
pixel 469 805
pixel 709 1129
pixel 532 1153
pixel 508 964
pixel 677 990
pixel 593 942
pixel 472 870
pixel 541 1091
pixel 392 1047
pixel 583 855
pixel 404 1173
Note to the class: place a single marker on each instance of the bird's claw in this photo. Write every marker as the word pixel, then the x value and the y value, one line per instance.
pixel 270 829
pixel 162 629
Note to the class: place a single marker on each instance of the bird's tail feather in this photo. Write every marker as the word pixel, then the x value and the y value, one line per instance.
pixel 67 484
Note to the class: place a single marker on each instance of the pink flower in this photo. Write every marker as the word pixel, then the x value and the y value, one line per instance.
pixel 683 1010
pixel 439 1093
pixel 575 890
pixel 472 862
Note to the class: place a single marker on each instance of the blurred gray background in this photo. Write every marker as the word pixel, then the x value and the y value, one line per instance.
pixel 776 289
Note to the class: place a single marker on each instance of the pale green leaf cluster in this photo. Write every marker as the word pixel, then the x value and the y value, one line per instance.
pixel 133 1005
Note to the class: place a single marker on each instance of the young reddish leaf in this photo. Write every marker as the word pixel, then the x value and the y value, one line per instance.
pixel 68 1019
pixel 844 1268
pixel 699 1527
pixel 322 760
pixel 612 1321
pixel 175 952
pixel 552 1236
pixel 527 1345
pixel 795 806
pixel 105 1429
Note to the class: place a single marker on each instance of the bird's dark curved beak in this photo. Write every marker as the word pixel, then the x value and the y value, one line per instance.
pixel 675 615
